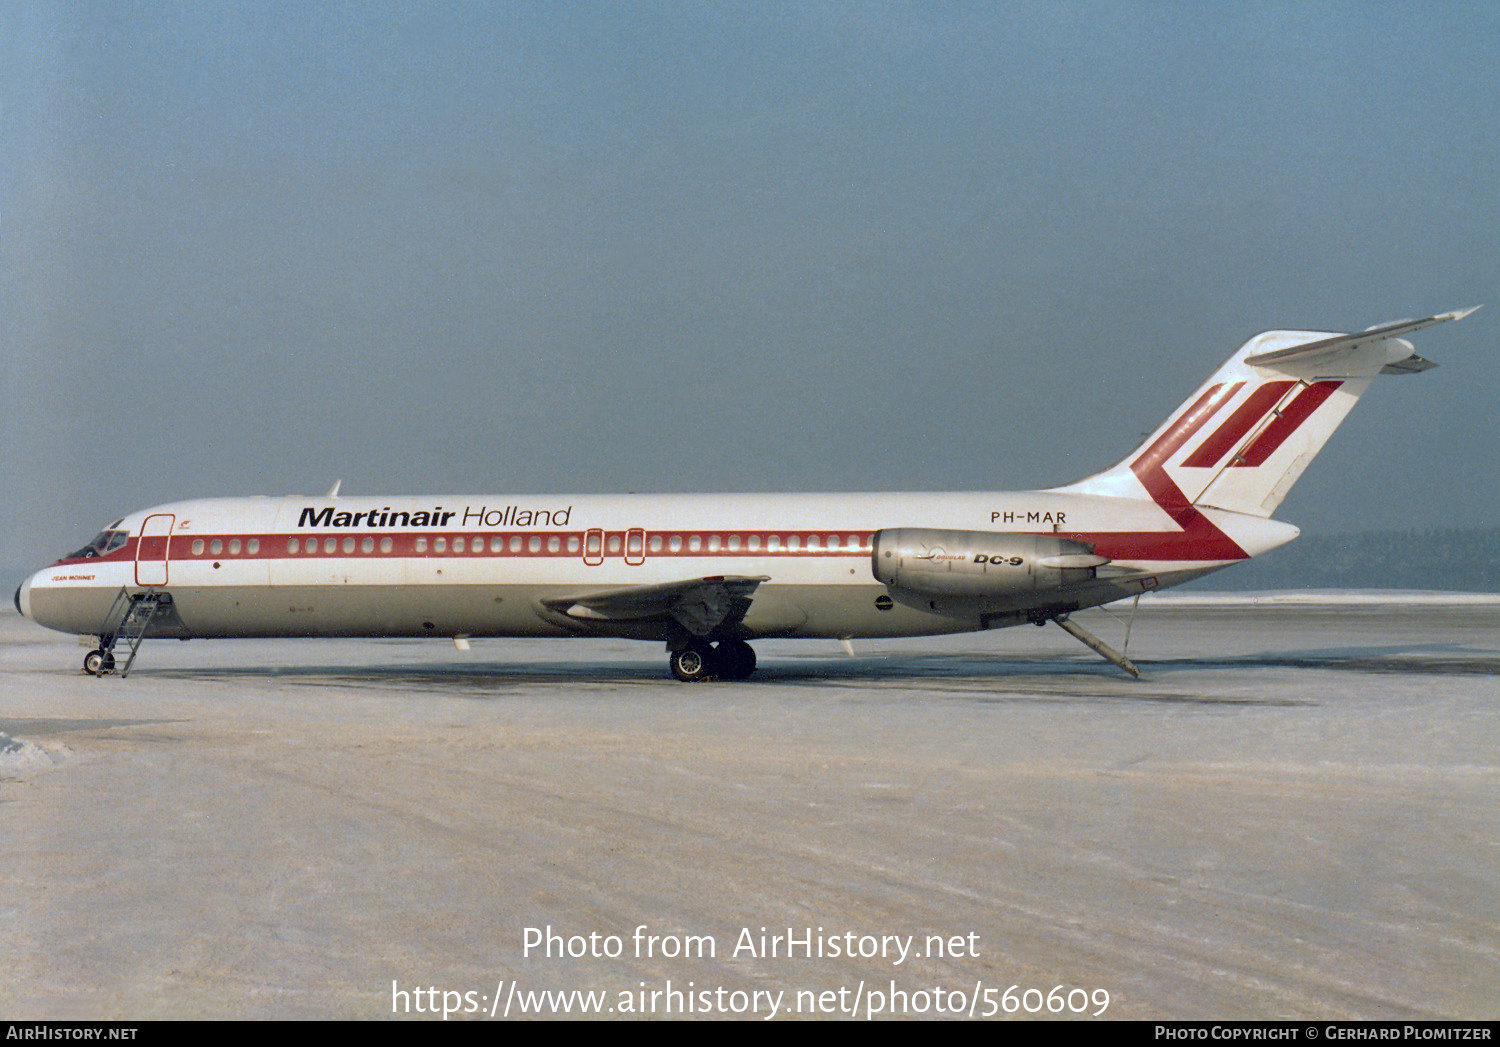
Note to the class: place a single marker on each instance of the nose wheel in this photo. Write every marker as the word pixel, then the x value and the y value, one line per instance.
pixel 99 663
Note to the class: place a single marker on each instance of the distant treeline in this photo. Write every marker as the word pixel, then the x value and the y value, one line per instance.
pixel 1465 560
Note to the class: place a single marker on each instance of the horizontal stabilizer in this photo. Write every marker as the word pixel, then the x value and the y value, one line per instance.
pixel 1308 351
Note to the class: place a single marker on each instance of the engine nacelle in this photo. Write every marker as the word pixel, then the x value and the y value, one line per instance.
pixel 979 563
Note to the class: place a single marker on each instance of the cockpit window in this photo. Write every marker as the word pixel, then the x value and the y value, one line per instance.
pixel 104 542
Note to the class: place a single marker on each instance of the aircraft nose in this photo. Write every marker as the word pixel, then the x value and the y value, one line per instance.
pixel 23 598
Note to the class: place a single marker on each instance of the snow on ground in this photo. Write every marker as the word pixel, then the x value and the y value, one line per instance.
pixel 1335 597
pixel 1295 813
pixel 18 757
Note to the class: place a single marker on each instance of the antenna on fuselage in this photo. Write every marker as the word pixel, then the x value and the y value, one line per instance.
pixel 333 492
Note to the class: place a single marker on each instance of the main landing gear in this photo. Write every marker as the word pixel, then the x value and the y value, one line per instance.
pixel 725 660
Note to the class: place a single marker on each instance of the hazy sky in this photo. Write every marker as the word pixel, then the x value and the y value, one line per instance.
pixel 557 247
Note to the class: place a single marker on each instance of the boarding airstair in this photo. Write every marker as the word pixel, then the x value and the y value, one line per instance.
pixel 128 621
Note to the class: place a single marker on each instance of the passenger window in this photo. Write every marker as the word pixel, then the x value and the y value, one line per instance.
pixel 421 545
pixel 754 543
pixel 675 544
pixel 614 543
pixel 386 544
pixel 794 542
pixel 458 545
pixel 367 545
pixel 293 545
pixel 330 544
pixel 515 544
pixel 348 545
pixel 535 544
pixel 773 543
pixel 734 543
pixel 553 544
pixel 216 547
pixel 573 544
pixel 497 544
pixel 253 546
pixel 656 543
pixel 197 546
pixel 234 547
pixel 713 543
pixel 440 545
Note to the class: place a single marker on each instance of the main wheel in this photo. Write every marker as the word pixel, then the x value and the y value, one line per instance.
pixel 734 659
pixel 691 664
pixel 99 662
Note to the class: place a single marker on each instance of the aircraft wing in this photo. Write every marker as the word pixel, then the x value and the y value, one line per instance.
pixel 699 605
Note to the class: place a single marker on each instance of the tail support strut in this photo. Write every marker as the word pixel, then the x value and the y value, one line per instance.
pixel 1097 645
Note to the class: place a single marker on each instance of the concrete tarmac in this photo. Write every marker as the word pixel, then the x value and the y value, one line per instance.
pixel 1294 814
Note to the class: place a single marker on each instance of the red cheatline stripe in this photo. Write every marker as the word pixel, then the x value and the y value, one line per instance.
pixel 1188 423
pixel 1201 542
pixel 1292 416
pixel 1199 539
pixel 1212 450
pixel 478 545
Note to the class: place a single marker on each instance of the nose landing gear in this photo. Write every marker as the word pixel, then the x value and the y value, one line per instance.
pixel 129 620
pixel 99 662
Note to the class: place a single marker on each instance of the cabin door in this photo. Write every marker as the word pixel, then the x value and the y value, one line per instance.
pixel 151 550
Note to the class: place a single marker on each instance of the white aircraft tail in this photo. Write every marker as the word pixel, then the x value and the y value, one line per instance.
pixel 1242 440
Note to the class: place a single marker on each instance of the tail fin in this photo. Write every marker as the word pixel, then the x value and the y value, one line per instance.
pixel 1242 440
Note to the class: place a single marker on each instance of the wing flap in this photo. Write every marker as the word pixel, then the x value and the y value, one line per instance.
pixel 699 605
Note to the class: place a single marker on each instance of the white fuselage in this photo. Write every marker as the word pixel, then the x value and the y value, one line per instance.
pixel 482 565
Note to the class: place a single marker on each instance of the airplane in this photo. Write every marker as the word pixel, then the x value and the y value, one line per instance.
pixel 706 574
